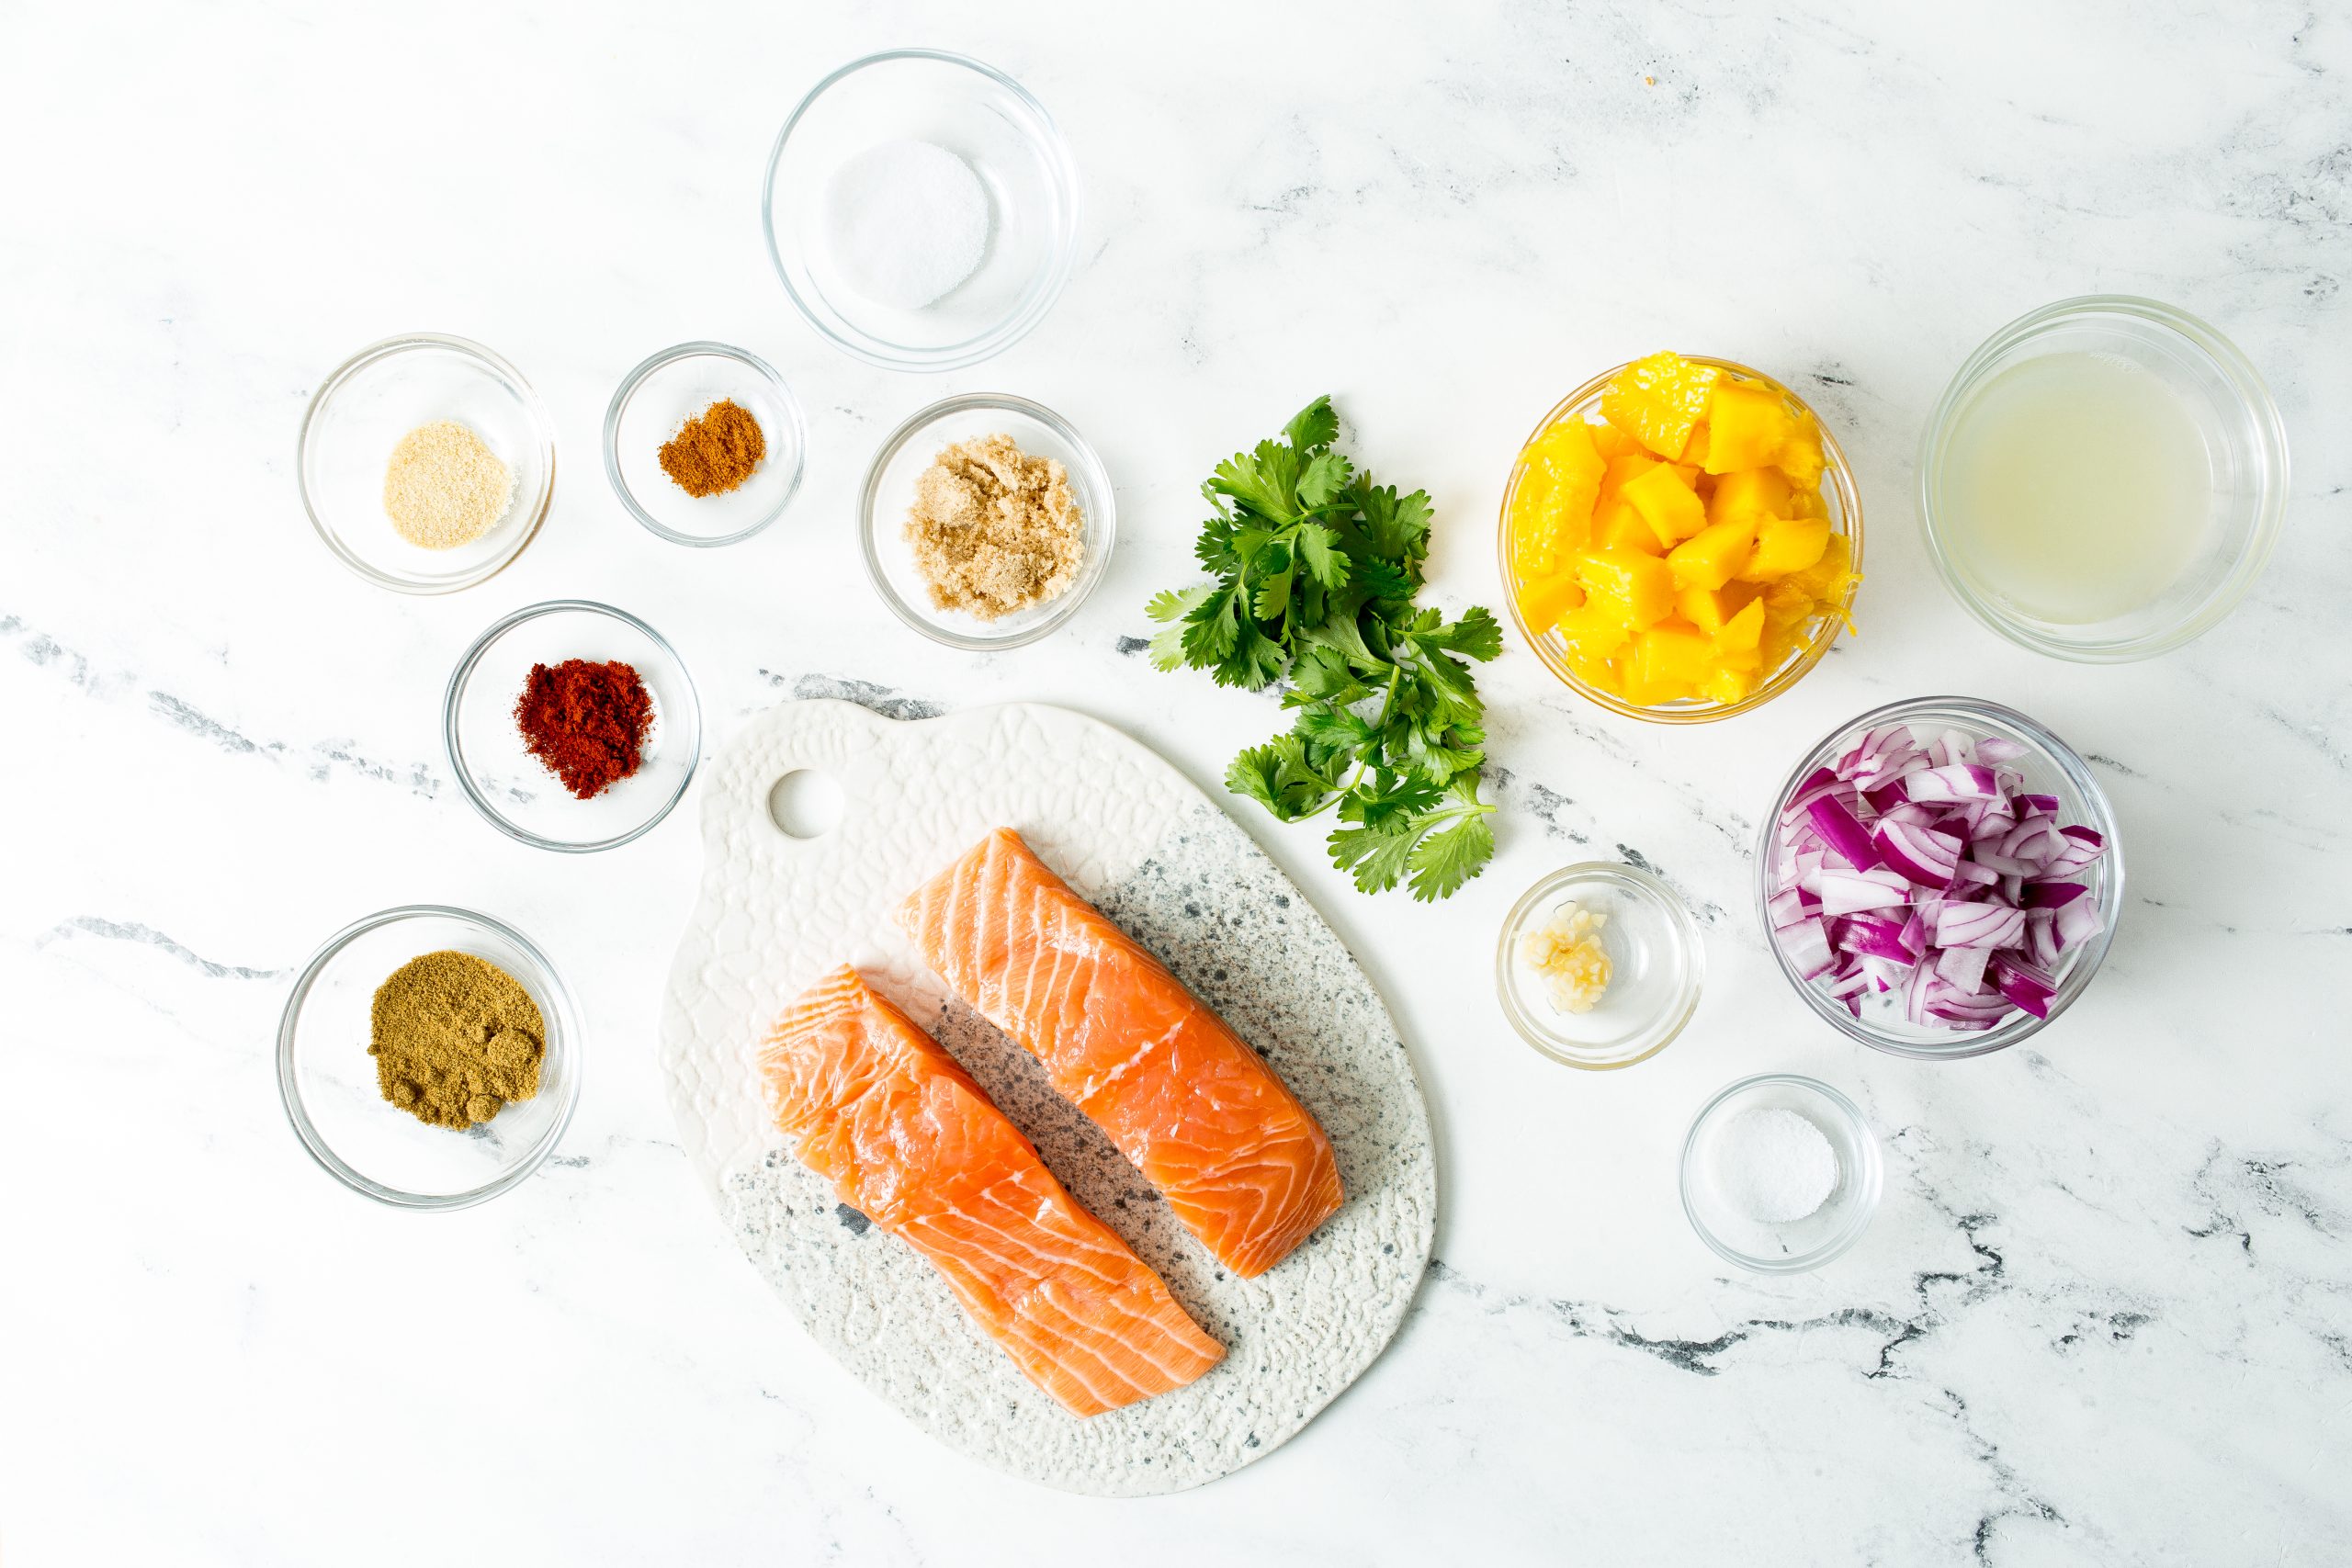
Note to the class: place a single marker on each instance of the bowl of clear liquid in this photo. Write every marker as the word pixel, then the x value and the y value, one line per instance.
pixel 2104 479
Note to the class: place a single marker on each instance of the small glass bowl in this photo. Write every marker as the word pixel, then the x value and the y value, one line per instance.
pixel 1839 492
pixel 889 491
pixel 2244 443
pixel 662 394
pixel 2051 767
pixel 515 791
pixel 359 414
pixel 1656 963
pixel 984 117
pixel 328 1080
pixel 1800 1245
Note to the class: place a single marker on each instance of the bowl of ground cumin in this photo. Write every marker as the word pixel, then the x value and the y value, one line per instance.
pixel 704 443
pixel 429 1057
pixel 985 521
pixel 426 463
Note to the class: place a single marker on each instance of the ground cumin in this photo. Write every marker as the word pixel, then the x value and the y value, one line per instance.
pixel 994 530
pixel 455 1037
pixel 714 451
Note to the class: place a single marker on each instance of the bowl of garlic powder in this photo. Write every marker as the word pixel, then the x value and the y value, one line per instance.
pixel 426 463
pixel 985 521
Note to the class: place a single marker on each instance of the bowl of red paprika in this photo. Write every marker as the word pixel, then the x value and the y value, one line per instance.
pixel 573 726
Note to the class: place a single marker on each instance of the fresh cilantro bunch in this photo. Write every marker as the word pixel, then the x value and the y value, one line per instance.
pixel 1314 569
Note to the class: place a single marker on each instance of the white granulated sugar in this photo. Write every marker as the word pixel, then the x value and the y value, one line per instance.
pixel 1773 1164
pixel 907 222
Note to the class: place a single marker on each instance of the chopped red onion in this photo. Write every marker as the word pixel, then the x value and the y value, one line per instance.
pixel 1919 864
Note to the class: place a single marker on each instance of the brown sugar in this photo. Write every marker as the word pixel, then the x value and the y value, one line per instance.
pixel 994 530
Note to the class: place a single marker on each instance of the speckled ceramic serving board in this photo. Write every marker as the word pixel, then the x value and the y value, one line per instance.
pixel 1156 855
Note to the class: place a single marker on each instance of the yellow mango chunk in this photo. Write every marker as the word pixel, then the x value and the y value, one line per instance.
pixel 1551 507
pixel 1709 608
pixel 1611 442
pixel 1695 451
pixel 1827 579
pixel 1657 402
pixel 1803 503
pixel 1743 631
pixel 1670 654
pixel 1751 492
pixel 1594 631
pixel 1801 458
pixel 1710 557
pixel 1620 528
pixel 1666 504
pixel 1621 470
pixel 1784 545
pixel 1543 603
pixel 1748 424
pixel 1637 588
pixel 1786 607
pixel 1725 685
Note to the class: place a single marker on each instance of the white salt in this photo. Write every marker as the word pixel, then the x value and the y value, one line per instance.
pixel 907 222
pixel 1773 1164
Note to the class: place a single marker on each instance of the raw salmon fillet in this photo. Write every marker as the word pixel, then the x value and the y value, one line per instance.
pixel 1241 1162
pixel 908 1139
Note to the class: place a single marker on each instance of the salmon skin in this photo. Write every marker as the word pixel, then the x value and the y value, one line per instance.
pixel 1241 1162
pixel 906 1138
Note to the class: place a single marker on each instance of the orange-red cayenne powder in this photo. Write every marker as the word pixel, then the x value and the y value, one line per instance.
pixel 587 722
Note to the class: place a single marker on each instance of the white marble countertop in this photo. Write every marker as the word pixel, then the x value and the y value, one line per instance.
pixel 2106 1311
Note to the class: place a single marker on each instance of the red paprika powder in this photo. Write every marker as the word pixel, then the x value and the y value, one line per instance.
pixel 587 722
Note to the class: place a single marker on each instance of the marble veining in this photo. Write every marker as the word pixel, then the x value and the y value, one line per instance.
pixel 2105 1312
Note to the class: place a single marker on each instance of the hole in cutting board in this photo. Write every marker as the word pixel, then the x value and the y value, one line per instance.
pixel 806 804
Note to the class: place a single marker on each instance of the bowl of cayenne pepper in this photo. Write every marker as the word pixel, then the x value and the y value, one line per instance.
pixel 573 726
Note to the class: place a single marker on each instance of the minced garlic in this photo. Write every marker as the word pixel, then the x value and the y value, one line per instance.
pixel 1566 950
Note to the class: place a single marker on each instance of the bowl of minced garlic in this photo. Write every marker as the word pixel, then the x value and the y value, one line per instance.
pixel 428 1057
pixel 985 521
pixel 1600 964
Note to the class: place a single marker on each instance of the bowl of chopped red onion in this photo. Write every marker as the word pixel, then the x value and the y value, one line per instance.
pixel 1941 878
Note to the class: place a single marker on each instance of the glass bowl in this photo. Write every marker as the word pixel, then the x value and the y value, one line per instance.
pixel 889 490
pixel 662 394
pixel 2051 767
pixel 2244 451
pixel 328 1080
pixel 359 414
pixel 1837 491
pixel 990 121
pixel 1657 961
pixel 514 790
pixel 1796 1246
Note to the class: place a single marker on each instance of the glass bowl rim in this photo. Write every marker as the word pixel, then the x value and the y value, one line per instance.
pixel 1873 1176
pixel 464 671
pixel 2079 975
pixel 543 427
pixel 2268 433
pixel 1834 469
pixel 703 348
pixel 1097 480
pixel 1044 290
pixel 563 1030
pixel 1683 924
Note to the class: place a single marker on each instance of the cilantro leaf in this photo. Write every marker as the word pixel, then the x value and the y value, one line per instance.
pixel 1313 570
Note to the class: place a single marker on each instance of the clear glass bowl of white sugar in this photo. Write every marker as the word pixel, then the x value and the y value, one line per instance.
pixel 879 185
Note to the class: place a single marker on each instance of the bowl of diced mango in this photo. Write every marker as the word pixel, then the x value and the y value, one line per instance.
pixel 1682 539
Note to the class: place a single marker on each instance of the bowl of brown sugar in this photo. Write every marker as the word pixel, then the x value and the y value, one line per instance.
pixel 985 521
pixel 429 1057
pixel 704 443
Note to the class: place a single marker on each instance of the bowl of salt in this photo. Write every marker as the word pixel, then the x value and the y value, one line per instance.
pixel 1780 1173
pixel 921 210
